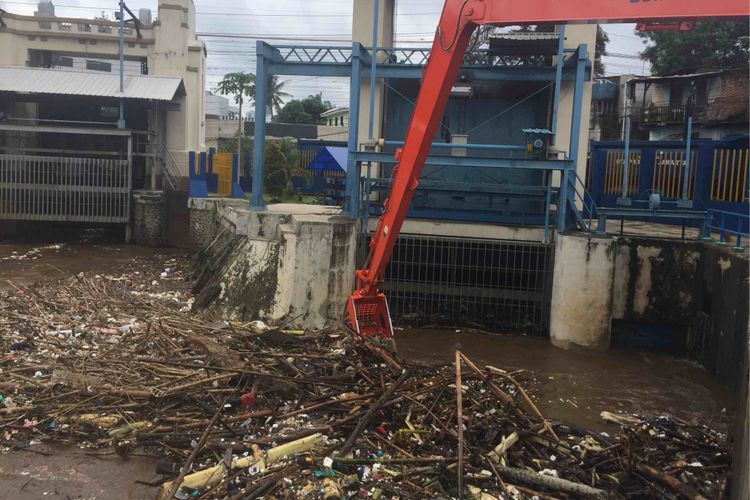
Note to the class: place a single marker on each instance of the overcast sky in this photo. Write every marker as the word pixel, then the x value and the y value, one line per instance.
pixel 307 21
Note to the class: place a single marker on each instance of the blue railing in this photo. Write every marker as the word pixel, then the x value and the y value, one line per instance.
pixel 733 223
pixel 588 212
pixel 717 177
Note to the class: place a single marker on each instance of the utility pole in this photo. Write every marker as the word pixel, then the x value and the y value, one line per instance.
pixel 121 119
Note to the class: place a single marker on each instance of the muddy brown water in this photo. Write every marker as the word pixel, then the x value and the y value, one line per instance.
pixel 577 386
pixel 572 386
pixel 24 263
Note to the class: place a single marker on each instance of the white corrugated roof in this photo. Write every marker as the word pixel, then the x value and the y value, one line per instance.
pixel 53 81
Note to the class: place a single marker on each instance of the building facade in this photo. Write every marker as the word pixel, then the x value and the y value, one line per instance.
pixel 164 47
pixel 718 102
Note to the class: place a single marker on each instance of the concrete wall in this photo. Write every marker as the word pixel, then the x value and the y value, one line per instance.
pixel 283 265
pixel 327 133
pixel 149 218
pixel 468 230
pixel 657 281
pixel 687 296
pixel 219 129
pixel 581 302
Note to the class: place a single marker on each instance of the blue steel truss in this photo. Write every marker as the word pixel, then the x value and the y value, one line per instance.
pixel 355 62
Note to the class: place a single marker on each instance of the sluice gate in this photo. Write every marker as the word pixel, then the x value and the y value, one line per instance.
pixel 64 189
pixel 496 285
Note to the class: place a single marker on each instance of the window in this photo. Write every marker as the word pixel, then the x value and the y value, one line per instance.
pixel 64 26
pixel 45 25
pixel 63 61
pixel 84 27
pixel 109 112
pixel 98 66
pixel 103 28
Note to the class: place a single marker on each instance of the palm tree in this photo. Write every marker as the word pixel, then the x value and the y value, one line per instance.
pixel 276 95
pixel 240 85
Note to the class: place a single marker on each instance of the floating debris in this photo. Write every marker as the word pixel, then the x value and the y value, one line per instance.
pixel 243 410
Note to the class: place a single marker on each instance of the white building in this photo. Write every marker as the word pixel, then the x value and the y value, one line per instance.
pixel 85 50
pixel 336 117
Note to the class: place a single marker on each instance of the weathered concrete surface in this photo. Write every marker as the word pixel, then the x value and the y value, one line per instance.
pixel 740 487
pixel 149 218
pixel 287 264
pixel 581 302
pixel 467 230
pixel 657 280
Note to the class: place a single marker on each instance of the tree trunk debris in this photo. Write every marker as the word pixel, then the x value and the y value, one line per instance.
pixel 122 361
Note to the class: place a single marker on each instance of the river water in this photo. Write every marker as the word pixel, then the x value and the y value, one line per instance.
pixel 24 263
pixel 572 386
pixel 577 386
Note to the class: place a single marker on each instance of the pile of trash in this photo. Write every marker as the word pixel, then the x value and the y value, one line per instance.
pixel 243 410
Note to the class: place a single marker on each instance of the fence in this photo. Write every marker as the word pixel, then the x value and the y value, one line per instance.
pixel 614 171
pixel 729 175
pixel 669 169
pixel 69 189
pixel 718 176
pixel 222 165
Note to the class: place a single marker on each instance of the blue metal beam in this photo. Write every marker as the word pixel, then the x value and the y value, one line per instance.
pixel 259 139
pixel 380 184
pixel 503 147
pixel 567 191
pixel 352 170
pixel 558 79
pixel 474 162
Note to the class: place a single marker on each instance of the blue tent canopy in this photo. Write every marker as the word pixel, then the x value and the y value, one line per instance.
pixel 331 159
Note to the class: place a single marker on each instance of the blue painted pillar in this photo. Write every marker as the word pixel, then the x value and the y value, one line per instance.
pixel 352 169
pixel 237 191
pixel 203 164
pixel 259 138
pixel 567 194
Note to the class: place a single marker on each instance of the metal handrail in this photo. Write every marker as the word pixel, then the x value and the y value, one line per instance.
pixel 158 150
pixel 588 208
pixel 723 225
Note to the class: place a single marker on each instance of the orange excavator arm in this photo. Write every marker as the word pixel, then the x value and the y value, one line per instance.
pixel 367 308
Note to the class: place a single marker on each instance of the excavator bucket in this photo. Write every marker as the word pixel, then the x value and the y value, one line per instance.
pixel 369 316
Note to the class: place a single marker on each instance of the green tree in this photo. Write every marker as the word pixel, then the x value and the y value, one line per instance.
pixel 306 111
pixel 276 94
pixel 708 46
pixel 276 174
pixel 240 85
pixel 602 39
pixel 289 148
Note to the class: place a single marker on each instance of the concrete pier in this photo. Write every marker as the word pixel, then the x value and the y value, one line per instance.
pixel 291 264
pixel 581 302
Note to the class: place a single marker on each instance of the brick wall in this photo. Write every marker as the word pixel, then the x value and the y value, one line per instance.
pixel 731 105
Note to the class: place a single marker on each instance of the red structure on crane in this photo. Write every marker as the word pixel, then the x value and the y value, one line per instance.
pixel 367 308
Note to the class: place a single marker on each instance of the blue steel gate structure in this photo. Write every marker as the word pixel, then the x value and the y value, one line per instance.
pixel 718 178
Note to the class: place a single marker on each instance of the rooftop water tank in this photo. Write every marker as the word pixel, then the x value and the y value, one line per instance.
pixel 144 16
pixel 45 8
